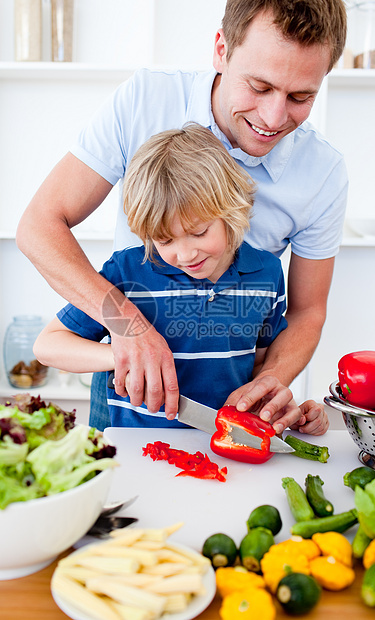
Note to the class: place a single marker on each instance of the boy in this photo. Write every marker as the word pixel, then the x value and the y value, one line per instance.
pixel 218 302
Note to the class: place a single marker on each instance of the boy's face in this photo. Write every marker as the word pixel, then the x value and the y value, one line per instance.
pixel 267 88
pixel 202 252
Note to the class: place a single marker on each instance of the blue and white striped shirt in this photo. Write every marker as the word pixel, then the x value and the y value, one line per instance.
pixel 213 330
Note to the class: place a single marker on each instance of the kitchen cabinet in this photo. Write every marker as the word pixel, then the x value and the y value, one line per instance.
pixel 44 105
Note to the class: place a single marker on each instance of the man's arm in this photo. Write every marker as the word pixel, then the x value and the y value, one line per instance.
pixel 308 287
pixel 68 195
pixel 309 282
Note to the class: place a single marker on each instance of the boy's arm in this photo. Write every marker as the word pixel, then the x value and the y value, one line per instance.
pixel 68 195
pixel 61 348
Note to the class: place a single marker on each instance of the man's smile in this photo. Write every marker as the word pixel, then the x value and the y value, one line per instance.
pixel 261 132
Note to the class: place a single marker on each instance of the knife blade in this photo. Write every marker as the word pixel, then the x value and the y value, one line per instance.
pixel 203 418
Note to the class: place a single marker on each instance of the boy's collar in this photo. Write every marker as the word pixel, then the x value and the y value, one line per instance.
pixel 247 259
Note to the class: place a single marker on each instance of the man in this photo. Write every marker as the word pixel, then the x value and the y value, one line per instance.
pixel 270 59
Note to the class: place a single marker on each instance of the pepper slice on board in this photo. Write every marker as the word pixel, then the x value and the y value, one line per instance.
pixel 223 444
pixel 357 378
pixel 196 465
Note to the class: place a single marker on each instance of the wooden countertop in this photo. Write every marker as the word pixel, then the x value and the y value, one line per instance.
pixel 30 598
pixel 205 507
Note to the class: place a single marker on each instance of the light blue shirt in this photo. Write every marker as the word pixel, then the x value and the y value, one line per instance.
pixel 301 183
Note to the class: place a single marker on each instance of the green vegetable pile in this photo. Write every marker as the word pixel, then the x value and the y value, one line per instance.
pixel 312 511
pixel 42 452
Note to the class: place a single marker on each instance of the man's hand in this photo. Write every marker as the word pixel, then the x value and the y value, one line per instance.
pixel 144 369
pixel 271 400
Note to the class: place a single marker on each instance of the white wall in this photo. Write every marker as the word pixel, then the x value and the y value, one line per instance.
pixel 131 32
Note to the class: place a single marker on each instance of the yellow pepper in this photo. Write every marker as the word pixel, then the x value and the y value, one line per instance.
pixel 249 604
pixel 275 564
pixel 335 544
pixel 331 574
pixel 369 555
pixel 298 545
pixel 234 579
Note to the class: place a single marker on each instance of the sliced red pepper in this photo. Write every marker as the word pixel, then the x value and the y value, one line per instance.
pixel 357 378
pixel 196 465
pixel 223 444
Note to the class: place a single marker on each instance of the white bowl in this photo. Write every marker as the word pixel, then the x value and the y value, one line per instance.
pixel 365 227
pixel 33 533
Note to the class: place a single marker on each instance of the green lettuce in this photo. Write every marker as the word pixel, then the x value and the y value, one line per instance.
pixel 40 425
pixel 43 453
pixel 63 482
pixel 14 489
pixel 12 453
pixel 364 500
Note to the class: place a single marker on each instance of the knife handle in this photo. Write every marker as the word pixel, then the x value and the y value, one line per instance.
pixel 111 380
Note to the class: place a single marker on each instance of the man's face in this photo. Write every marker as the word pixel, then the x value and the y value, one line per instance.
pixel 267 88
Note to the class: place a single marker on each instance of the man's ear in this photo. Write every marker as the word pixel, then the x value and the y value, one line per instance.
pixel 220 51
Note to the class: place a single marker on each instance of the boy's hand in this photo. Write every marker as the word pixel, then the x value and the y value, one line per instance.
pixel 314 419
pixel 270 399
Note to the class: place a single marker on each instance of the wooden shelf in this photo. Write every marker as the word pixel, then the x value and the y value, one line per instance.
pixel 359 242
pixel 54 389
pixel 9 235
pixel 82 70
pixel 96 237
pixel 351 78
pixel 66 70
pixel 79 70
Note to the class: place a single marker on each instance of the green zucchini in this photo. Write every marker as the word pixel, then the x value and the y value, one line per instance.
pixel 359 476
pixel 265 516
pixel 315 495
pixel 360 542
pixel 335 523
pixel 253 547
pixel 298 593
pixel 220 549
pixel 306 450
pixel 368 587
pixel 297 500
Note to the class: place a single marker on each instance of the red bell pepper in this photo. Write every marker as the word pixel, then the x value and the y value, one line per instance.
pixel 223 444
pixel 357 378
pixel 196 465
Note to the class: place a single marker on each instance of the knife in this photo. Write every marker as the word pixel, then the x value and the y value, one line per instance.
pixel 202 417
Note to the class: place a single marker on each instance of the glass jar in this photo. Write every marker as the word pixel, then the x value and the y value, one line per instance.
pixel 28 30
pixel 361 33
pixel 62 30
pixel 21 367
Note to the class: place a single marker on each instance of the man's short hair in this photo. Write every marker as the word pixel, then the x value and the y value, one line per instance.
pixel 307 22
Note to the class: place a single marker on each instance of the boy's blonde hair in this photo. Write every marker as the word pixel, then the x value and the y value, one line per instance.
pixel 186 173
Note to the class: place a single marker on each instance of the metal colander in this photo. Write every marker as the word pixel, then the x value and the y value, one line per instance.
pixel 359 422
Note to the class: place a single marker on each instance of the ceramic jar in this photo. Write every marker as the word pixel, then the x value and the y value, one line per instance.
pixel 28 30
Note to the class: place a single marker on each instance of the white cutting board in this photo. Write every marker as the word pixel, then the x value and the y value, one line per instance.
pixel 209 506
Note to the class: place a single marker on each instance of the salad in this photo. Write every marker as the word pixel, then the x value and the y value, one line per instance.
pixel 43 452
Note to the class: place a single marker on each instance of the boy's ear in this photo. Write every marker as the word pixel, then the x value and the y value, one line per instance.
pixel 220 51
